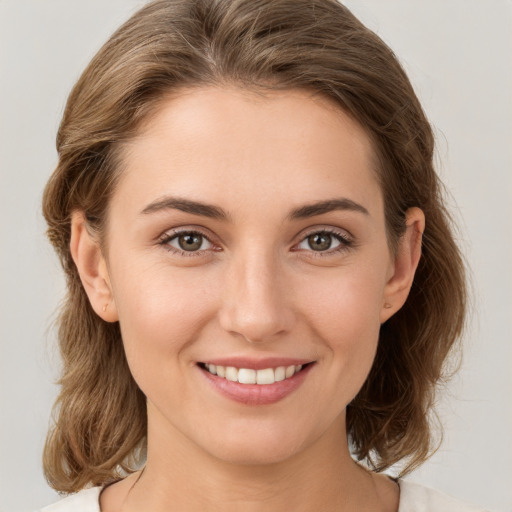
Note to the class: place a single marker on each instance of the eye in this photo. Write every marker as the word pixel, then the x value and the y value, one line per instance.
pixel 324 241
pixel 188 242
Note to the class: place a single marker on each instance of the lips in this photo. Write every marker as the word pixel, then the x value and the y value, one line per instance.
pixel 256 382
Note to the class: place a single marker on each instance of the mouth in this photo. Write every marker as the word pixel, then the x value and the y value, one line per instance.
pixel 256 381
pixel 248 376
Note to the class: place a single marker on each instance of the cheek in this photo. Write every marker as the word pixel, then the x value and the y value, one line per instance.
pixel 345 314
pixel 345 300
pixel 161 310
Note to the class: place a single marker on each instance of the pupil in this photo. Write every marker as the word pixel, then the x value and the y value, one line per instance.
pixel 190 242
pixel 320 241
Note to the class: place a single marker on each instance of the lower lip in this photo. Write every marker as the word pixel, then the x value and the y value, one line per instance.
pixel 257 394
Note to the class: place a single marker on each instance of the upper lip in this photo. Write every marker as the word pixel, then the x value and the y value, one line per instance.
pixel 257 364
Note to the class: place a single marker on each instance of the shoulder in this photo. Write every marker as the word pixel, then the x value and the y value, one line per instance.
pixel 418 498
pixel 87 500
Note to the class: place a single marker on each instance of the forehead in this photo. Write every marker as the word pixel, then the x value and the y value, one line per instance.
pixel 238 146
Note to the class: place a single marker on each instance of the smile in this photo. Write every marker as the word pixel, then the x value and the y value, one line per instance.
pixel 256 382
pixel 262 377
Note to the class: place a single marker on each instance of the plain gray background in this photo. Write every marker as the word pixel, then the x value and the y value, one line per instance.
pixel 458 55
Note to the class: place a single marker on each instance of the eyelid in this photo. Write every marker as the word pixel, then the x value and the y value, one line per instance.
pixel 345 238
pixel 172 233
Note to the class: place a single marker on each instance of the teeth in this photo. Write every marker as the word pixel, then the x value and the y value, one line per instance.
pixel 280 373
pixel 231 374
pixel 265 376
pixel 290 370
pixel 246 376
pixel 249 376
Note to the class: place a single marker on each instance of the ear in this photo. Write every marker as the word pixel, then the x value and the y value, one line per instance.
pixel 92 268
pixel 405 264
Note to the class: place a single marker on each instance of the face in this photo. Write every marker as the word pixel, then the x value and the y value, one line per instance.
pixel 247 232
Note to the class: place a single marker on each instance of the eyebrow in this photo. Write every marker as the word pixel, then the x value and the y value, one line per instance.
pixel 330 205
pixel 187 206
pixel 215 212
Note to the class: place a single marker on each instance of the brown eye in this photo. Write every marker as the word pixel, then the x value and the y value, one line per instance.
pixel 320 241
pixel 190 242
pixel 325 241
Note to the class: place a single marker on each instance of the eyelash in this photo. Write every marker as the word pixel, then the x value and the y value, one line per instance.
pixel 345 242
pixel 167 237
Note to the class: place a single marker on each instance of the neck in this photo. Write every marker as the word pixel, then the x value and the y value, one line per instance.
pixel 181 476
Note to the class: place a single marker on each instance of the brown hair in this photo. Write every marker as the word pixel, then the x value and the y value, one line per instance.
pixel 100 413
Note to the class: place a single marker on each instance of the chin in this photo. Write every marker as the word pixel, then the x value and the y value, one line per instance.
pixel 259 444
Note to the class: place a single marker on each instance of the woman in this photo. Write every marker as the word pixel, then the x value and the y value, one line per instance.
pixel 263 283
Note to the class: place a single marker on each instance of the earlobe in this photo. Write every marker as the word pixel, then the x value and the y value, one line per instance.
pixel 405 264
pixel 92 268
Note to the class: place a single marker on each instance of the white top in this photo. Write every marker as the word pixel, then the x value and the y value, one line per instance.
pixel 413 498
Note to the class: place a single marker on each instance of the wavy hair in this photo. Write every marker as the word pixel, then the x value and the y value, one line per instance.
pixel 100 414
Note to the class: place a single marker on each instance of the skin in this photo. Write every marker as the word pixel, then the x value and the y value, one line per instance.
pixel 255 289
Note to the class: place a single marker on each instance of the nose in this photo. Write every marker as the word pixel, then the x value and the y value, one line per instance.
pixel 256 299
